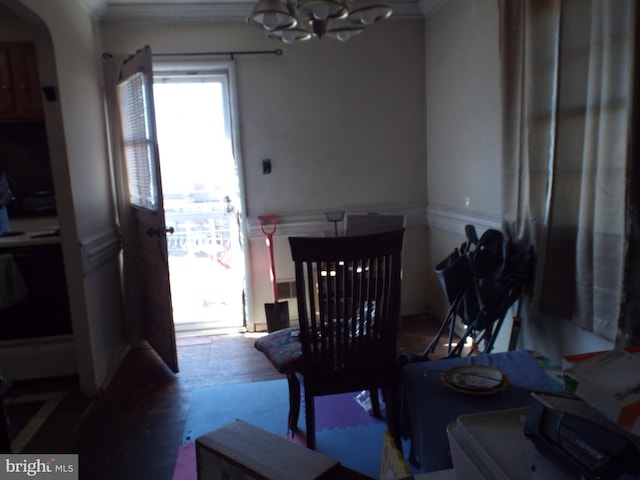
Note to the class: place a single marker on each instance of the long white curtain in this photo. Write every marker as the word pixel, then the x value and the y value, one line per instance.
pixel 567 83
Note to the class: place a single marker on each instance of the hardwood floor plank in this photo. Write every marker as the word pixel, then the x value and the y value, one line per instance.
pixel 133 431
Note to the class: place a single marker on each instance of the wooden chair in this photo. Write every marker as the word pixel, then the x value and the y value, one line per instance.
pixel 348 295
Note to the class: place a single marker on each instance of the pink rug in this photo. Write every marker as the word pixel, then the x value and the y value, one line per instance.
pixel 185 468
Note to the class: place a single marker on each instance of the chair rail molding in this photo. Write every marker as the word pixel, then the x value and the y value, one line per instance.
pixel 316 223
pixel 100 249
pixel 453 219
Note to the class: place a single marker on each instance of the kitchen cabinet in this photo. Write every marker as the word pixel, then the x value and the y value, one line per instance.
pixel 20 97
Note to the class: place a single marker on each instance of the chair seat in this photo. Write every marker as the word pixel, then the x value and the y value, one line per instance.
pixel 282 348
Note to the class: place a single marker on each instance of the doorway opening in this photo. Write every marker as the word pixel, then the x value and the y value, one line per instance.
pixel 201 192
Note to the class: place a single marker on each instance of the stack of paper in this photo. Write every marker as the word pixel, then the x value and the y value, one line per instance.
pixel 609 382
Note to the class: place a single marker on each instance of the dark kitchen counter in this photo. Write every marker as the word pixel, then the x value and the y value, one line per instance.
pixel 30 232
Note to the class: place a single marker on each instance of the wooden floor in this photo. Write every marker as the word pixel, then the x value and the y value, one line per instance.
pixel 134 429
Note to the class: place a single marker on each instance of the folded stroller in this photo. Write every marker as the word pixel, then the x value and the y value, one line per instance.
pixel 482 280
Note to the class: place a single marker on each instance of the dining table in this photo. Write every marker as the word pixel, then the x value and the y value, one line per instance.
pixel 428 404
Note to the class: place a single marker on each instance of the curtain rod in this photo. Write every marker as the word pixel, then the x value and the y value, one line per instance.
pixel 277 52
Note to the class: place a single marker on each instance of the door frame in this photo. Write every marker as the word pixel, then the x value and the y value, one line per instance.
pixel 211 64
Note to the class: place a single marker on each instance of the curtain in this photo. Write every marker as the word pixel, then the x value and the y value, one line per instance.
pixel 567 85
pixel 629 330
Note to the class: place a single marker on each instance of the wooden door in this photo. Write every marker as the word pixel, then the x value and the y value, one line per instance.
pixel 144 188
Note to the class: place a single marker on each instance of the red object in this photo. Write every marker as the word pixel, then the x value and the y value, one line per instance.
pixel 569 361
pixel 271 220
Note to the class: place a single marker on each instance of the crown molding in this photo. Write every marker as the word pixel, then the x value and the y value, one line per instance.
pixel 95 7
pixel 228 11
pixel 220 10
pixel 429 7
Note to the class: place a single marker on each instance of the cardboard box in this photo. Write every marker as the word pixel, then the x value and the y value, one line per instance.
pixel 240 451
pixel 569 361
pixel 610 383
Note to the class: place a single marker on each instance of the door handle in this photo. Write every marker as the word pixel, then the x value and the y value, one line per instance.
pixel 156 232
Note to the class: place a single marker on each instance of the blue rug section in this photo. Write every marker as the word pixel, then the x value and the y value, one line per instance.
pixel 263 404
pixel 359 448
pixel 357 443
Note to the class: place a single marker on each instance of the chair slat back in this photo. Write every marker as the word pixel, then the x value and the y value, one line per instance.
pixel 348 292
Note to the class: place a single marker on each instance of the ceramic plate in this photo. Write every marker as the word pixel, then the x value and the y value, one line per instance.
pixel 475 379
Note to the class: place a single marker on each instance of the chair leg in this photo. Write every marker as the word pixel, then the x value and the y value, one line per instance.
pixel 393 417
pixel 375 402
pixel 294 401
pixel 310 416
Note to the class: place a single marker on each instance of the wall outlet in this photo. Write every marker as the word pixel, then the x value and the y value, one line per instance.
pixel 286 289
pixel 266 166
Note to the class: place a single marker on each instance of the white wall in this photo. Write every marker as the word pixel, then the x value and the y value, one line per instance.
pixel 464 171
pixel 343 124
pixel 463 85
pixel 463 127
pixel 69 60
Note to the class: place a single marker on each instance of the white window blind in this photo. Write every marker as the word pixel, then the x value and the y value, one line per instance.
pixel 138 142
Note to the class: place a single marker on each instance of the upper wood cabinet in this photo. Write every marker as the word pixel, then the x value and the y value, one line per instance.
pixel 19 83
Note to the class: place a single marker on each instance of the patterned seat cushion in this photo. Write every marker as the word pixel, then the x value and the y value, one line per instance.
pixel 282 348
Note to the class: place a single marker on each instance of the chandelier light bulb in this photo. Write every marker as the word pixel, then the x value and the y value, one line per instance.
pixel 321 11
pixel 270 21
pixel 368 17
pixel 343 35
pixel 288 36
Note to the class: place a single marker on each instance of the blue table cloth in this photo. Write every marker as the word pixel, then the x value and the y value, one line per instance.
pixel 427 406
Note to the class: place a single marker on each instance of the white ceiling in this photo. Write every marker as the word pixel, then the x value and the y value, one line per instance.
pixel 224 10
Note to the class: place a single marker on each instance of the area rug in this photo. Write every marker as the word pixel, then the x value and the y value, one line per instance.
pixel 344 429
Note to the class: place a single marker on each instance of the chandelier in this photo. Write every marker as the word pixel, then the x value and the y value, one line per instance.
pixel 297 20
